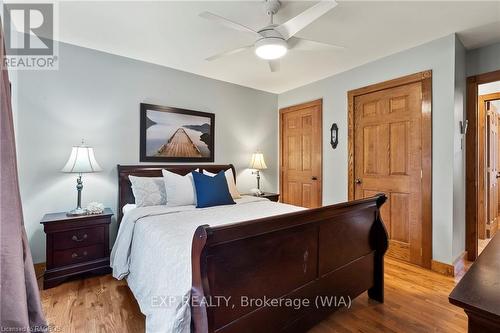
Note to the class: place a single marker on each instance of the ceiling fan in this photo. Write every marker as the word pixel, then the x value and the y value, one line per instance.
pixel 273 41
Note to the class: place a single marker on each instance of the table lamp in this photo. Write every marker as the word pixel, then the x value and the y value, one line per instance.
pixel 81 160
pixel 258 164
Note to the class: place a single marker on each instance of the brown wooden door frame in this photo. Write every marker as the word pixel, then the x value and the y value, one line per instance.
pixel 426 79
pixel 282 111
pixel 483 212
pixel 472 161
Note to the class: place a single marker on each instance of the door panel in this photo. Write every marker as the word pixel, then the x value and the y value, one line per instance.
pixel 495 105
pixel 301 149
pixel 492 170
pixel 398 149
pixel 400 212
pixel 376 154
pixel 293 193
pixel 306 152
pixel 388 158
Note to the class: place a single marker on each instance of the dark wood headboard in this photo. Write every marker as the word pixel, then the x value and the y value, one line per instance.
pixel 125 195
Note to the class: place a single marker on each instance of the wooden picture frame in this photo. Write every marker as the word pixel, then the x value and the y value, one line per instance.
pixel 170 134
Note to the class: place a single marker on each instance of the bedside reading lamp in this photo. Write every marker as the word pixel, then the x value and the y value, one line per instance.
pixel 81 160
pixel 258 164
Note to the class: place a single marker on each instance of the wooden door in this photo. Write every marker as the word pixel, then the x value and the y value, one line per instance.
pixel 301 154
pixel 495 105
pixel 482 187
pixel 487 153
pixel 388 158
pixel 492 170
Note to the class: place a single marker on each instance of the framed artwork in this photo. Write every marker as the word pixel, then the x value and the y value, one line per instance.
pixel 171 134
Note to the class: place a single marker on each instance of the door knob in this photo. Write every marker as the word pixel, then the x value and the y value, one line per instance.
pixel 314 178
pixel 357 181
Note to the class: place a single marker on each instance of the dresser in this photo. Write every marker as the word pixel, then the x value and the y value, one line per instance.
pixel 478 292
pixel 75 245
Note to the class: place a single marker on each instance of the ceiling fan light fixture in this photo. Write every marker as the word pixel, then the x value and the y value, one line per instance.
pixel 271 48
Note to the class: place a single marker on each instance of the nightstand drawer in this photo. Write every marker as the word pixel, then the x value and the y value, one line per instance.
pixel 76 245
pixel 78 238
pixel 74 256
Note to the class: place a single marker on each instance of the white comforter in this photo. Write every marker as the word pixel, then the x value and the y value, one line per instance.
pixel 153 251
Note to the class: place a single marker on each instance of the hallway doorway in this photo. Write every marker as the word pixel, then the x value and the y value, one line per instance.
pixel 482 161
pixel 489 115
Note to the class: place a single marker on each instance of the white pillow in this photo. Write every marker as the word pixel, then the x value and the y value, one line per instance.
pixel 148 191
pixel 127 208
pixel 230 182
pixel 180 189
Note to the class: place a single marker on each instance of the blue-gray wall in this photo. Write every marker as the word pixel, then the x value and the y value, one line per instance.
pixel 439 56
pixel 483 60
pixel 458 245
pixel 96 96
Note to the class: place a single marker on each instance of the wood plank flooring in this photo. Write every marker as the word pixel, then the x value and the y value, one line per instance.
pixel 416 300
pixel 179 145
pixel 481 244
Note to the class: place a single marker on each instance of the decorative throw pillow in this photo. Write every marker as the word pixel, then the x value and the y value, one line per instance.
pixel 211 191
pixel 148 191
pixel 180 189
pixel 230 182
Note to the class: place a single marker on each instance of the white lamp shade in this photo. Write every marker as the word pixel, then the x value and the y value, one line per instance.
pixel 81 160
pixel 258 162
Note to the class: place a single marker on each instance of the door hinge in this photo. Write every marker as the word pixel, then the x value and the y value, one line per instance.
pixel 421 173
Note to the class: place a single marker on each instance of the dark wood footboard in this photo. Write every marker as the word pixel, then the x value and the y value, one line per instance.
pixel 288 272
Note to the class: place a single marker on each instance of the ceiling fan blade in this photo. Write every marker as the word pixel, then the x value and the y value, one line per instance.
pixel 274 65
pixel 228 53
pixel 299 22
pixel 301 44
pixel 228 23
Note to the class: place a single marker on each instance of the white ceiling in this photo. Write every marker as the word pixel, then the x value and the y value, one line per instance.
pixel 172 34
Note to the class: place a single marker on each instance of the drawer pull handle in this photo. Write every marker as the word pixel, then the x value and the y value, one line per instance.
pixel 76 239
pixel 75 255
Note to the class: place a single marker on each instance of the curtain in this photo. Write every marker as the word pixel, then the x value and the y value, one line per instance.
pixel 20 307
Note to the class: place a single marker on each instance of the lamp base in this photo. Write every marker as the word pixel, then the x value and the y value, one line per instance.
pixel 77 212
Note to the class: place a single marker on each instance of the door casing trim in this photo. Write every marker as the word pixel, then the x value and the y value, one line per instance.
pixel 482 151
pixel 472 161
pixel 425 78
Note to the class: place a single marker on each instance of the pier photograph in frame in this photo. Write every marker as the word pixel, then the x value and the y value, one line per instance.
pixel 170 134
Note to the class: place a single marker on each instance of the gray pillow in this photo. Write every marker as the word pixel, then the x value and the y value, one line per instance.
pixel 148 191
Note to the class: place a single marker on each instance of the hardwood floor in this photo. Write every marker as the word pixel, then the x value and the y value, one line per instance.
pixel 416 300
pixel 481 244
pixel 92 305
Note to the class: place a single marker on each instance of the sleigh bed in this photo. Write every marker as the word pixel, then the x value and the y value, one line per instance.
pixel 277 273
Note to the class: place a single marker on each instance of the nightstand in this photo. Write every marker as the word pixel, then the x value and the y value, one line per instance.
pixel 271 196
pixel 76 245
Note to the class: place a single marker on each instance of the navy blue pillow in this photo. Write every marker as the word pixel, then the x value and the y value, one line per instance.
pixel 211 191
